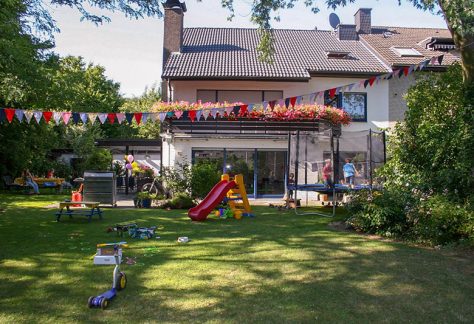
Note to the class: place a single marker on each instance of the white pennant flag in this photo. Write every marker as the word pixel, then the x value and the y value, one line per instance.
pixel 102 118
pixel 120 117
pixel 93 117
pixel 205 113
pixel 214 112
pixel 28 116
pixel 153 117
pixel 19 113
pixel 38 115
pixel 162 116
pixel 84 117
pixel 57 117
pixel 312 97
pixel 228 110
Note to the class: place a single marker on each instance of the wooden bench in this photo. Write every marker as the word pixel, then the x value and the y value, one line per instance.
pixel 88 209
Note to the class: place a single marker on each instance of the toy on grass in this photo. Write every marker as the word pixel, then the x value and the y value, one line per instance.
pixel 141 232
pixel 121 228
pixel 109 254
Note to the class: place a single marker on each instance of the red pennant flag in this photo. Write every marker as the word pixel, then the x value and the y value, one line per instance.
pixel 111 117
pixel 192 115
pixel 332 93
pixel 292 101
pixel 272 104
pixel 47 116
pixel 9 112
pixel 372 80
pixel 138 117
pixel 406 69
pixel 243 110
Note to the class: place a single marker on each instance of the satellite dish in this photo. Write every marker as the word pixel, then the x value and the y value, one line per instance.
pixel 334 20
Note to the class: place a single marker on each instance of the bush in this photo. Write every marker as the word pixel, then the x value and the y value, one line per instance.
pixel 177 179
pixel 204 175
pixel 180 201
pixel 438 220
pixel 382 213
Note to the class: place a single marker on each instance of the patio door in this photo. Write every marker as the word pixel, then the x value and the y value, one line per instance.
pixel 271 172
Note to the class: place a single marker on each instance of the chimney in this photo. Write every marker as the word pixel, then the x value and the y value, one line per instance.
pixel 347 32
pixel 173 28
pixel 363 21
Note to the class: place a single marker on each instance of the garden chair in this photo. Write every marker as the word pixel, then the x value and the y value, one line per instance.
pixel 9 184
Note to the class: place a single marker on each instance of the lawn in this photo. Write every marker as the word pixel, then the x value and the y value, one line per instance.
pixel 277 267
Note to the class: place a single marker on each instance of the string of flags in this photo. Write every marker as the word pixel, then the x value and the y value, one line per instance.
pixel 241 110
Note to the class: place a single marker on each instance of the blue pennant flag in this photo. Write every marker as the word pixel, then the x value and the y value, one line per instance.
pixel 76 117
pixel 129 117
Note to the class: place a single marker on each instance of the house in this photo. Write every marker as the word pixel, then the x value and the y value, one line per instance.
pixel 221 64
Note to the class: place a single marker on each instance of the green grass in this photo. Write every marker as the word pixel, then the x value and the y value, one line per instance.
pixel 277 267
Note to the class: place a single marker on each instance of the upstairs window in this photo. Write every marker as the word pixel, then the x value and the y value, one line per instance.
pixel 406 52
pixel 354 103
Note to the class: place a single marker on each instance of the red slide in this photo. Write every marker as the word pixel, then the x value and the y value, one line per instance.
pixel 213 198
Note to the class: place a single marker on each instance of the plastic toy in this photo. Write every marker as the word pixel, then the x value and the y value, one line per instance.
pixel 108 254
pixel 141 232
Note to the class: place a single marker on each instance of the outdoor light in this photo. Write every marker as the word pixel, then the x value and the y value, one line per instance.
pixel 228 166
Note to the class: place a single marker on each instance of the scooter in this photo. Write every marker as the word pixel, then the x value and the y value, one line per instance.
pixel 107 254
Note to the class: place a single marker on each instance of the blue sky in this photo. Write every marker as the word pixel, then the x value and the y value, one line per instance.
pixel 131 50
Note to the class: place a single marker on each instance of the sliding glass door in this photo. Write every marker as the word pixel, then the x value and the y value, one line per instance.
pixel 271 172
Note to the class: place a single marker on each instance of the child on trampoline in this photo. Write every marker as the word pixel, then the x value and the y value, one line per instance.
pixel 327 173
pixel 349 172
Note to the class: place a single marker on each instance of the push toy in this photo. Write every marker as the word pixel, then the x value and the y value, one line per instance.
pixel 109 253
pixel 141 232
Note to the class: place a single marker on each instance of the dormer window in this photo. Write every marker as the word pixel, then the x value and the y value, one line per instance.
pixel 406 52
pixel 441 44
pixel 337 55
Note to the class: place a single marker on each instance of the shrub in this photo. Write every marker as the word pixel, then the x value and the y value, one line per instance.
pixel 180 201
pixel 204 175
pixel 379 212
pixel 438 220
pixel 177 179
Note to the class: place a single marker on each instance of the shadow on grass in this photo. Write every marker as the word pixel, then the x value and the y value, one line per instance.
pixel 277 267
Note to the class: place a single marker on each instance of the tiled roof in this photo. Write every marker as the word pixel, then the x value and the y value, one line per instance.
pixel 231 53
pixel 382 39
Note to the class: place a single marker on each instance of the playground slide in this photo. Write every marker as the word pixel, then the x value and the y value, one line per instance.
pixel 213 198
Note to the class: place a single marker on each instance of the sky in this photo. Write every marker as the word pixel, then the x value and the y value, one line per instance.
pixel 131 50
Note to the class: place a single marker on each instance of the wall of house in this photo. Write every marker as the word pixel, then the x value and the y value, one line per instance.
pixel 377 95
pixel 398 88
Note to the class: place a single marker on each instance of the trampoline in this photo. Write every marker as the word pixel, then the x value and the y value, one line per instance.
pixel 318 164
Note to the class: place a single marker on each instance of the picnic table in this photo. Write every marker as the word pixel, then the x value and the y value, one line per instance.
pixel 42 182
pixel 87 208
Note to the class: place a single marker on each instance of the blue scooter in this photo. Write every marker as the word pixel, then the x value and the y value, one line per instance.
pixel 107 254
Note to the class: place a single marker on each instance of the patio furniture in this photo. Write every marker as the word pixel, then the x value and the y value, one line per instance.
pixel 10 184
pixel 88 209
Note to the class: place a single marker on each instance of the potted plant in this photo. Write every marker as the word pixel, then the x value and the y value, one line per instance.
pixel 144 199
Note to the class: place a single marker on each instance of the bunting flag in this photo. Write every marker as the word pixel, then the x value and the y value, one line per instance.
pixel 38 115
pixel 111 118
pixel 19 113
pixel 28 116
pixel 145 117
pixel 198 114
pixel 102 118
pixel 120 117
pixel 229 110
pixel 206 113
pixel 57 117
pixel 162 116
pixel 195 115
pixel 93 117
pixel 178 114
pixel 76 117
pixel 372 80
pixel 214 112
pixel 138 117
pixel 84 117
pixel 9 113
pixel 192 115
pixel 272 104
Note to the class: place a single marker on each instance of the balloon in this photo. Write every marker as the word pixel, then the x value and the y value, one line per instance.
pixel 130 158
pixel 134 164
pixel 128 166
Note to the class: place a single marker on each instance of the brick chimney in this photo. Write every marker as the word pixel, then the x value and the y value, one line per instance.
pixel 173 28
pixel 363 21
pixel 347 32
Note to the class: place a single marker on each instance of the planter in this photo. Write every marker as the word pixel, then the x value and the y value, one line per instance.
pixel 146 203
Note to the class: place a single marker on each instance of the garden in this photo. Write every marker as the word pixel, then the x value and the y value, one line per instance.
pixel 276 267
